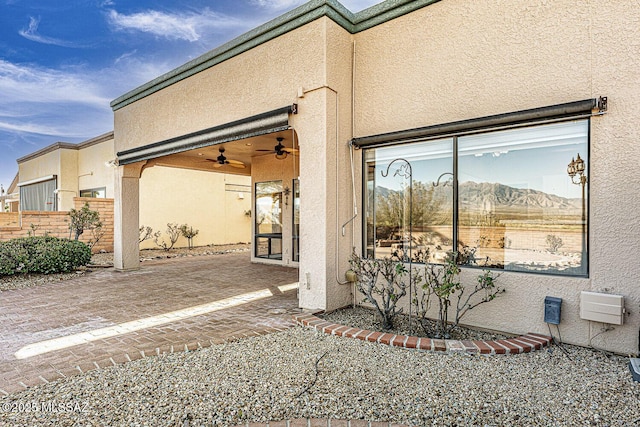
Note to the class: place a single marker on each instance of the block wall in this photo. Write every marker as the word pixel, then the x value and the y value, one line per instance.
pixel 14 225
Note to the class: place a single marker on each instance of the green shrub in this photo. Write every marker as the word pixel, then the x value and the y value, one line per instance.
pixel 42 254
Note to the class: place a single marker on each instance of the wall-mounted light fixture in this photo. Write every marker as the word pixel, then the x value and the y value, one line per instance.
pixel 576 168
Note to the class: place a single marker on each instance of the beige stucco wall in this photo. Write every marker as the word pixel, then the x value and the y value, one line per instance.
pixel 198 199
pixel 458 60
pixel 68 179
pixel 341 183
pixel 263 79
pixel 61 162
pixel 45 165
pixel 92 170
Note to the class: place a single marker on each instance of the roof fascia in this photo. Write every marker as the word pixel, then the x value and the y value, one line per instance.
pixel 13 185
pixel 296 18
pixel 48 149
pixel 386 11
pixel 66 146
pixel 95 141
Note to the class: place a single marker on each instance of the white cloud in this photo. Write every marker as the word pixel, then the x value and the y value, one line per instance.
pixel 125 56
pixel 278 4
pixel 21 83
pixel 31 33
pixel 189 26
pixel 30 128
pixel 71 103
pixel 358 5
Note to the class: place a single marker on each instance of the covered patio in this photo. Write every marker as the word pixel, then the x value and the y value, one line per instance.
pixel 263 146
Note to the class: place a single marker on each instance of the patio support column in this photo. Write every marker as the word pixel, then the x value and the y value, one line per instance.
pixel 319 219
pixel 126 217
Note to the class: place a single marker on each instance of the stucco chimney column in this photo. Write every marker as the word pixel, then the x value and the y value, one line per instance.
pixel 126 217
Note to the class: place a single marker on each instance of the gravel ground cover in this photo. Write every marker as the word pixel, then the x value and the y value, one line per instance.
pixel 302 373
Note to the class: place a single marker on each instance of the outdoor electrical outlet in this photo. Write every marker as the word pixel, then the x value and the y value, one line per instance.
pixel 552 307
pixel 308 277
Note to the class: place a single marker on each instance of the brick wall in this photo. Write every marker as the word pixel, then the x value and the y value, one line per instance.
pixel 105 209
pixel 9 219
pixel 57 223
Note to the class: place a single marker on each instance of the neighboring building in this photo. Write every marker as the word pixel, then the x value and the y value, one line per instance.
pixel 9 197
pixel 488 102
pixel 51 178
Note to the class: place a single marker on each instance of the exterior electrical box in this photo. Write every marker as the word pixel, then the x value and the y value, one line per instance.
pixel 603 308
pixel 552 310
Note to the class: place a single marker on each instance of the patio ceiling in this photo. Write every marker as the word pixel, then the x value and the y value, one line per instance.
pixel 245 151
pixel 242 140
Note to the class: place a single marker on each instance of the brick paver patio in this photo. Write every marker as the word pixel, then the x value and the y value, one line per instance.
pixel 121 316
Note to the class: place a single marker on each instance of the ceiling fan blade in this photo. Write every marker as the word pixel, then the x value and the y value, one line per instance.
pixel 290 150
pixel 268 151
pixel 211 160
pixel 236 165
pixel 217 165
pixel 235 162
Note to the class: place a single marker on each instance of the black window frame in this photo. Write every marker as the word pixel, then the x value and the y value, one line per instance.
pixel 412 136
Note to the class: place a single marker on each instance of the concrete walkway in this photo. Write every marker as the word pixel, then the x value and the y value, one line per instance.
pixel 106 317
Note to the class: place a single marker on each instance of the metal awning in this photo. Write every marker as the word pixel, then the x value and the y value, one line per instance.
pixel 261 124
pixel 565 111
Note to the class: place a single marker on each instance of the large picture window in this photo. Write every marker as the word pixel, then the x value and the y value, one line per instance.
pixel 505 197
pixel 40 196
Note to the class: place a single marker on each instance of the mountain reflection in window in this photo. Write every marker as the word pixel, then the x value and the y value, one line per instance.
pixel 517 208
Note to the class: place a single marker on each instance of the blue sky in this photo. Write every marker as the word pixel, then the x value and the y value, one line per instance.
pixel 63 62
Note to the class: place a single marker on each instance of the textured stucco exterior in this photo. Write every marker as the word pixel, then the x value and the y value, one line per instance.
pixel 457 60
pixel 61 162
pixel 442 62
pixel 92 169
pixel 215 206
pixel 260 80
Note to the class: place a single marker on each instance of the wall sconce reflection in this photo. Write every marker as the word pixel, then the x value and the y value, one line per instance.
pixel 286 193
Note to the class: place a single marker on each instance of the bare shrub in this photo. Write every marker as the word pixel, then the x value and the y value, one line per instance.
pixel 173 233
pixel 442 283
pixel 146 233
pixel 383 294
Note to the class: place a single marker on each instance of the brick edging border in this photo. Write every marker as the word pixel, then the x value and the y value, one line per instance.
pixel 522 344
